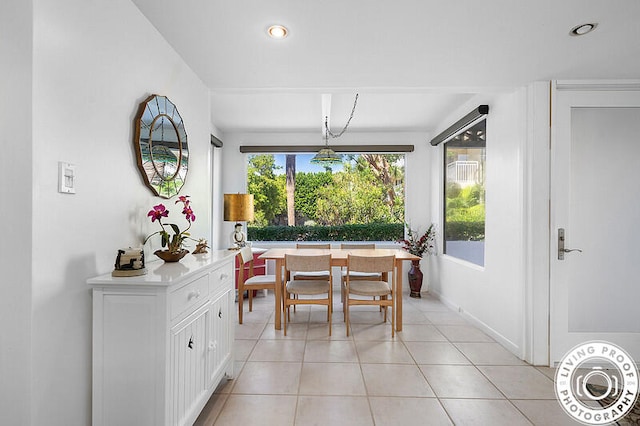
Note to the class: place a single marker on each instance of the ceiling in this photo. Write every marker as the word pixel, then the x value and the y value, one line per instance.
pixel 411 61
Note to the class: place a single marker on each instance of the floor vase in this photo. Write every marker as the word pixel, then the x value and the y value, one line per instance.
pixel 415 279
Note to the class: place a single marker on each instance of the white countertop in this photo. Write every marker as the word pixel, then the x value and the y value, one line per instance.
pixel 160 273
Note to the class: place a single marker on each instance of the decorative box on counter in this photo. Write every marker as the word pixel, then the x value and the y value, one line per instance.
pixel 129 262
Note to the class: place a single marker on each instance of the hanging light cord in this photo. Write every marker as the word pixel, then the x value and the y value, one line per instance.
pixel 344 129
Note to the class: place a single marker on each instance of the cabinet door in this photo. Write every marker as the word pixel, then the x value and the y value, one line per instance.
pixel 221 339
pixel 188 368
pixel 128 358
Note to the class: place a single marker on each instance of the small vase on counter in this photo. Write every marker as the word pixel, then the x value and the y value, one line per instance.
pixel 169 256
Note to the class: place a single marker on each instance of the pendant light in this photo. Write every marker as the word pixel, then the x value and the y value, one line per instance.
pixel 326 156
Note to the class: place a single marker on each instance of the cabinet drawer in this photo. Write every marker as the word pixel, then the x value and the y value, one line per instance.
pixel 189 296
pixel 221 277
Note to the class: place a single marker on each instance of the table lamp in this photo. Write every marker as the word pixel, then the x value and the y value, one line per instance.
pixel 238 208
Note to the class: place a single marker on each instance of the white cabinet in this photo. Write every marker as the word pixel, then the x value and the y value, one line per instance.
pixel 221 326
pixel 188 365
pixel 162 341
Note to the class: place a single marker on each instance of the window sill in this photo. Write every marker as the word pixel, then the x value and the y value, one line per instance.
pixel 462 262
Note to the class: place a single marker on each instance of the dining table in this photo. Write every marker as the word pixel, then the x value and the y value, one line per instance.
pixel 338 258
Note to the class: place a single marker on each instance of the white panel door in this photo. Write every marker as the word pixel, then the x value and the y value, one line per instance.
pixel 189 346
pixel 221 336
pixel 126 359
pixel 595 199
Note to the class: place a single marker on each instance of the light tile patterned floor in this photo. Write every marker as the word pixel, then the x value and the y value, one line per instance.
pixel 440 370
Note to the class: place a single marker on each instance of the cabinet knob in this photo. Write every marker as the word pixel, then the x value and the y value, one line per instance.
pixel 212 345
pixel 224 276
pixel 193 294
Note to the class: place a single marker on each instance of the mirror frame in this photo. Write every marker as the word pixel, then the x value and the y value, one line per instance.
pixel 158 112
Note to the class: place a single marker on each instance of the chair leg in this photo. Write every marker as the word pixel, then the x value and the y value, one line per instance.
pixel 393 324
pixel 385 308
pixel 345 301
pixel 328 312
pixel 346 312
pixel 342 298
pixel 250 293
pixel 329 305
pixel 286 313
pixel 240 304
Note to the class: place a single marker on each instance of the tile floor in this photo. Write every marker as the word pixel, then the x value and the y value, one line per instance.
pixel 439 370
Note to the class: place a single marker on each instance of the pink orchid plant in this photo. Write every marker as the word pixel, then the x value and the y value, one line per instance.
pixel 175 242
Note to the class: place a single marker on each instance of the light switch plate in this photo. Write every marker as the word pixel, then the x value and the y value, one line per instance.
pixel 66 178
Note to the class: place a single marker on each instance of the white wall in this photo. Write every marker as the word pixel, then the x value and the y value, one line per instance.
pixel 216 199
pixel 536 224
pixel 492 296
pixel 15 211
pixel 94 62
pixel 418 178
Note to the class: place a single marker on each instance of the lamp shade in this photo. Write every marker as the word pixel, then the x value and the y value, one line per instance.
pixel 326 156
pixel 238 207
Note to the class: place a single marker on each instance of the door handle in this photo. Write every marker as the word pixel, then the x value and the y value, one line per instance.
pixel 561 249
pixel 570 250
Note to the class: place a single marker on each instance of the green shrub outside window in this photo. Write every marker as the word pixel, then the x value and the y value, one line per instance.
pixel 360 199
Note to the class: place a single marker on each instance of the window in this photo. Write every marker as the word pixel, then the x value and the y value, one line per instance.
pixel 359 199
pixel 464 206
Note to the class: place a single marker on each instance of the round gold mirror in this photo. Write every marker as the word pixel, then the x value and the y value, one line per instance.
pixel 161 146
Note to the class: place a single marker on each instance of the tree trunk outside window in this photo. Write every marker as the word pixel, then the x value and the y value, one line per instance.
pixel 291 189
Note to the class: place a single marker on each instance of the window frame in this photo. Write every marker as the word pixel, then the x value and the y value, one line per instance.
pixel 401 150
pixel 456 140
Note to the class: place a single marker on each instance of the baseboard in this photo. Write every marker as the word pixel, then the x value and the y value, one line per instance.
pixel 508 344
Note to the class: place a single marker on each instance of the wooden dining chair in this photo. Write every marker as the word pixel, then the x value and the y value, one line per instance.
pixel 314 275
pixel 356 246
pixel 354 274
pixel 251 282
pixel 361 291
pixel 306 291
pixel 313 245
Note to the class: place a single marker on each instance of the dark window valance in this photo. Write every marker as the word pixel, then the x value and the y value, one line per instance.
pixel 281 149
pixel 461 124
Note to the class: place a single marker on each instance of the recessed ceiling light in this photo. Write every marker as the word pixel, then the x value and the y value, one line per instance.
pixel 277 31
pixel 583 29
